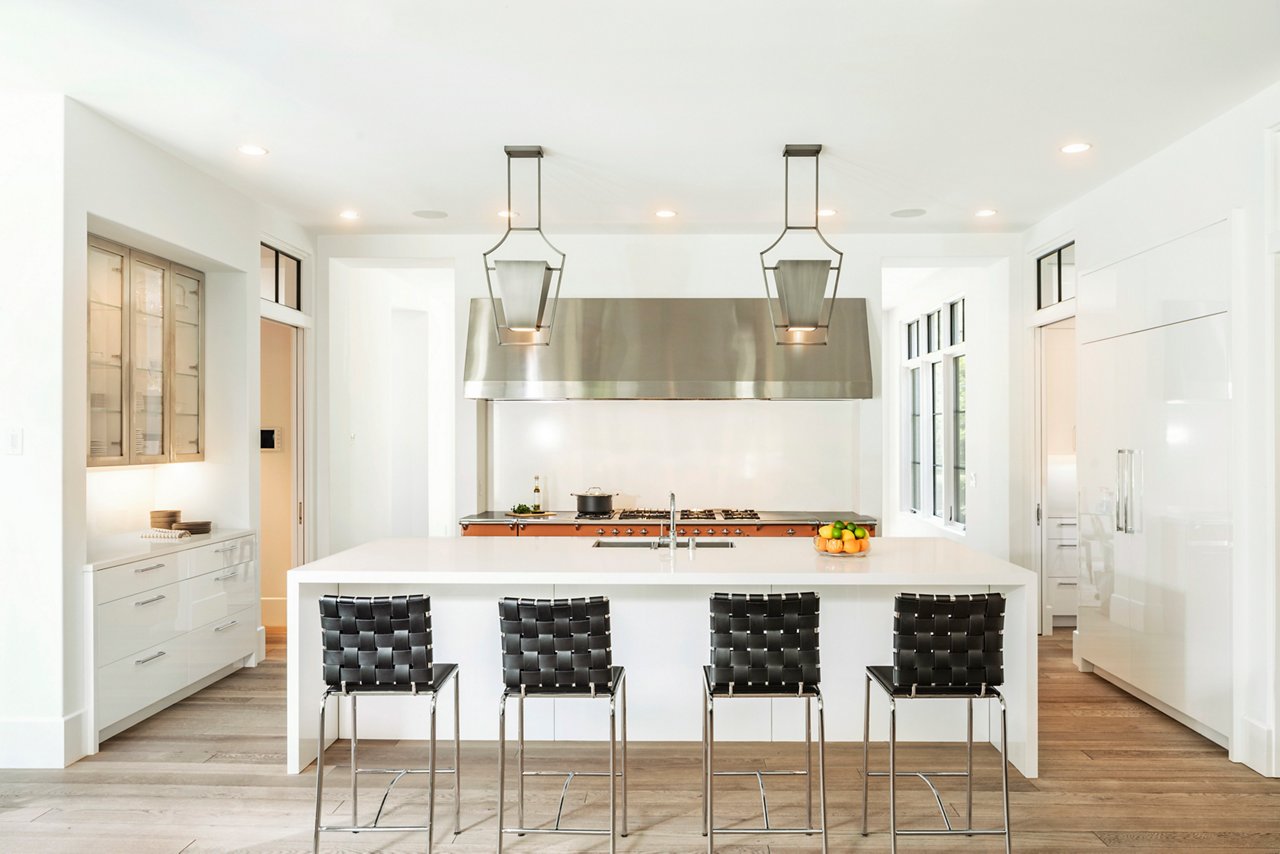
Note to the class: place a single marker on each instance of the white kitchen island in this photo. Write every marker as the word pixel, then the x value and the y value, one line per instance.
pixel 660 634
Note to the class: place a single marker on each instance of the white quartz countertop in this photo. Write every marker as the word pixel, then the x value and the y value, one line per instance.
pixel 126 548
pixel 892 561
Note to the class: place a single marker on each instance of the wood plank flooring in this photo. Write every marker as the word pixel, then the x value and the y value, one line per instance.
pixel 206 776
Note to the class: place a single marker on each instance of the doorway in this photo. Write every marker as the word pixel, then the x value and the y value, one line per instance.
pixel 280 469
pixel 1057 464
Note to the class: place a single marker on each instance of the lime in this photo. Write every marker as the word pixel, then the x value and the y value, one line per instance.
pixel 860 532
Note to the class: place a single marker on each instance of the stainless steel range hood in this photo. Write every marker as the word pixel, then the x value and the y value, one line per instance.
pixel 669 349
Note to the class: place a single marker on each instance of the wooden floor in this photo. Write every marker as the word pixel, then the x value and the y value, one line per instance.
pixel 206 775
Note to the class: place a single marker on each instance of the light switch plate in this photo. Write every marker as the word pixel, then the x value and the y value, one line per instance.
pixel 12 441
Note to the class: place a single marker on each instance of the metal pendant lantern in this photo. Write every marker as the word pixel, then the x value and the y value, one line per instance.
pixel 523 269
pixel 801 269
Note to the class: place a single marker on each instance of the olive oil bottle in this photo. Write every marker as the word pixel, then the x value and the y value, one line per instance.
pixel 536 504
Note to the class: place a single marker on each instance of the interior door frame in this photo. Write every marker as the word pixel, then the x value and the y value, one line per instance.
pixel 1041 533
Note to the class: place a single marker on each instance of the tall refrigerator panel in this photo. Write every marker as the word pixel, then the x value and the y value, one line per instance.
pixel 1155 514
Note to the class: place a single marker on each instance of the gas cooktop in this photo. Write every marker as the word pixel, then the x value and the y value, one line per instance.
pixel 638 514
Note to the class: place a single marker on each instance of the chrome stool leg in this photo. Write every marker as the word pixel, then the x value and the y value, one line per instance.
pixel 893 776
pixel 613 779
pixel 315 841
pixel 704 764
pixel 711 776
pixel 431 778
pixel 822 769
pixel 968 767
pixel 520 761
pixel 866 750
pixel 808 764
pixel 457 758
pixel 502 763
pixel 355 816
pixel 624 757
pixel 1004 774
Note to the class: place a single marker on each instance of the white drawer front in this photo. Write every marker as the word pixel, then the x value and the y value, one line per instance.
pixel 1061 561
pixel 130 578
pixel 138 680
pixel 139 621
pixel 220 643
pixel 217 556
pixel 217 594
pixel 1060 593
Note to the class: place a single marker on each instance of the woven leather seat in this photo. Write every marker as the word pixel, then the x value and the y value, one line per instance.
pixel 763 644
pixel 380 645
pixel 557 646
pixel 944 646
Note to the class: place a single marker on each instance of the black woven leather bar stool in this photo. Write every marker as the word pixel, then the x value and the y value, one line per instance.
pixel 763 645
pixel 944 647
pixel 560 648
pixel 381 646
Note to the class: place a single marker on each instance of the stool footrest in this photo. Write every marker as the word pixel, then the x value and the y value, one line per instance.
pixel 579 831
pixel 405 770
pixel 959 831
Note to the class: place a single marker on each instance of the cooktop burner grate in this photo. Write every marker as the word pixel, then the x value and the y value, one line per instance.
pixel 644 514
pixel 695 515
pixel 738 514
pixel 594 517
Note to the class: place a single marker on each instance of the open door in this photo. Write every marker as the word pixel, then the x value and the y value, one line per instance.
pixel 281 469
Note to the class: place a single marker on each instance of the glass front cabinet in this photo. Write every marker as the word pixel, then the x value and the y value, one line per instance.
pixel 146 358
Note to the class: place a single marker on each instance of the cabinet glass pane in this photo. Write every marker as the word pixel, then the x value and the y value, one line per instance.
pixel 289 276
pixel 187 367
pixel 148 354
pixel 106 354
pixel 1067 271
pixel 267 257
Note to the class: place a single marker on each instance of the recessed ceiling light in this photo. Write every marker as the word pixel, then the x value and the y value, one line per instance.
pixel 349 214
pixel 1075 148
pixel 431 214
pixel 664 213
pixel 508 214
pixel 249 149
pixel 826 212
pixel 907 213
pixel 986 212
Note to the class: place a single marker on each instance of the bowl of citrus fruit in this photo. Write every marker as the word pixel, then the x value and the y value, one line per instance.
pixel 843 539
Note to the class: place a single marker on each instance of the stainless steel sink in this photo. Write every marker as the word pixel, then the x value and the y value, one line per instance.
pixel 653 544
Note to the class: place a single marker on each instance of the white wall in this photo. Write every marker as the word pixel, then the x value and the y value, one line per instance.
pixel 762 454
pixel 985 290
pixel 390 408
pixel 1224 169
pixel 32 367
pixel 68 173
pixel 656 266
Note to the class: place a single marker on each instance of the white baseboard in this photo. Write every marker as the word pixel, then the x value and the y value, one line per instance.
pixel 42 742
pixel 1254 746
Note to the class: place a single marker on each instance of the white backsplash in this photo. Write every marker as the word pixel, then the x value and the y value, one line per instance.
pixel 735 453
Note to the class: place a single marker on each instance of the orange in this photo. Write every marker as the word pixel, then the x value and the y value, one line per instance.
pixel 853 546
pixel 820 544
pixel 835 546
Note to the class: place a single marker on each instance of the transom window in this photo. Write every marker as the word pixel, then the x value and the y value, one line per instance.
pixel 1056 276
pixel 281 277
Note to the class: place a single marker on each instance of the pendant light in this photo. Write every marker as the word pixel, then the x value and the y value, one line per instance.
pixel 801 278
pixel 523 269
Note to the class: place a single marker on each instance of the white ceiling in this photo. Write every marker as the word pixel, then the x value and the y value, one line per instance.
pixel 391 106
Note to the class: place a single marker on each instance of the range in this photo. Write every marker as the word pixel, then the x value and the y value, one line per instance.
pixel 652 522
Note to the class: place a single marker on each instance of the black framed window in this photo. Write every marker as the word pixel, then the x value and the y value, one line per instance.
pixel 1056 276
pixel 958 429
pixel 916 443
pixel 955 316
pixel 934 331
pixel 913 339
pixel 936 411
pixel 280 277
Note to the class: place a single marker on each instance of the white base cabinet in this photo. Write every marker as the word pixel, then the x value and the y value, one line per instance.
pixel 161 624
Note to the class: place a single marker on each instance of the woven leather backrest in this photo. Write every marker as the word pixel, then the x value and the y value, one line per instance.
pixel 952 641
pixel 376 640
pixel 559 644
pixel 764 640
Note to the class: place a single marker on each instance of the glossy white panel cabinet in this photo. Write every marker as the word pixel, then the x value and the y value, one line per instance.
pixel 1179 280
pixel 1155 514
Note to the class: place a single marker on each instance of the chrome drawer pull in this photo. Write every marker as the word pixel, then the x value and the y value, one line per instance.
pixel 149 568
pixel 1065 524
pixel 149 601
pixel 226 626
pixel 148 658
pixel 226 575
pixel 229 548
pixel 1068 583
pixel 1066 545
